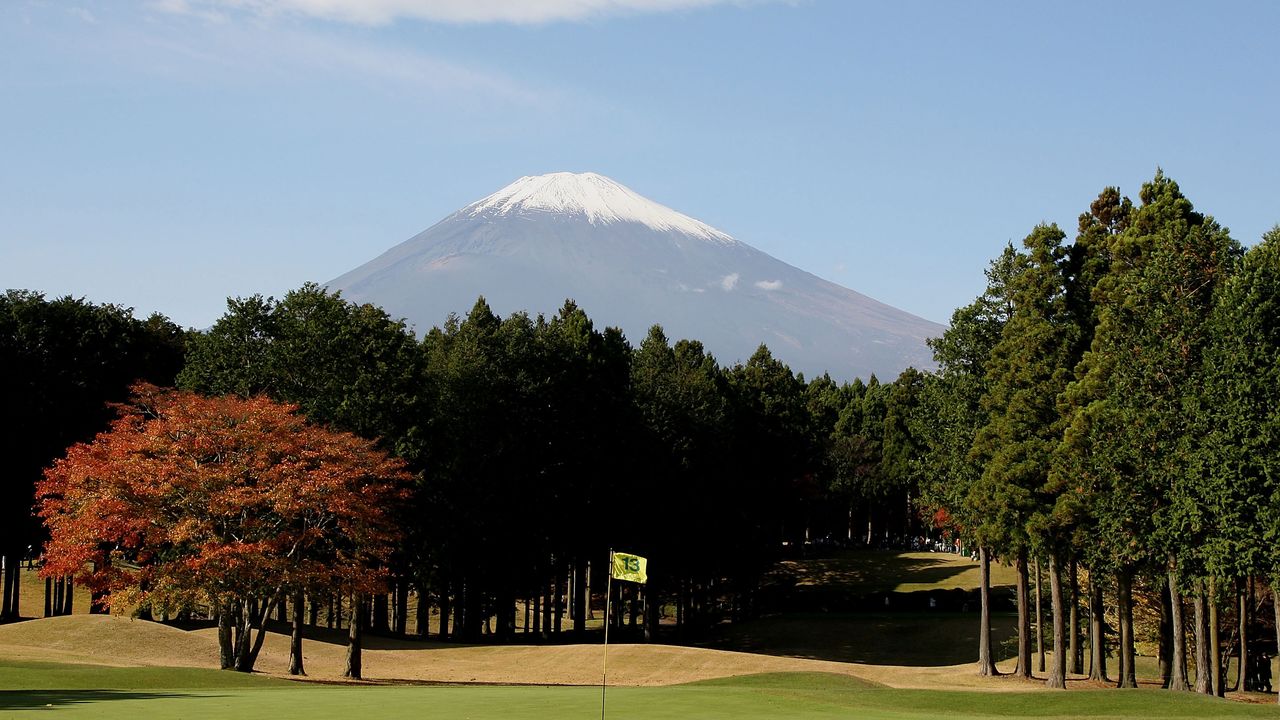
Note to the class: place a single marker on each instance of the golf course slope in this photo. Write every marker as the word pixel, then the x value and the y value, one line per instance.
pixel 117 641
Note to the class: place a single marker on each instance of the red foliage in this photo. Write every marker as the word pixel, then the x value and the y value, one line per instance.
pixel 191 499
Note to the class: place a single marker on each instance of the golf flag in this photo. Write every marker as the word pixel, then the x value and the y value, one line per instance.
pixel 633 568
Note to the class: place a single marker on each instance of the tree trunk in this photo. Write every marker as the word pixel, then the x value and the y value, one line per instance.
pixel 1097 631
pixel 581 600
pixel 1178 678
pixel 353 669
pixel 586 591
pixel 1124 591
pixel 423 616
pixel 650 617
pixel 1075 647
pixel 1039 621
pixel 1275 604
pixel 986 661
pixel 226 655
pixel 1215 641
pixel 295 639
pixel 402 607
pixel 48 597
pixel 314 618
pixel 1058 675
pixel 1242 673
pixel 1024 617
pixel 258 639
pixel 7 590
pixel 444 610
pixel 13 585
pixel 548 609
pixel 1165 649
pixel 1204 684
pixel 381 616
pixel 69 597
pixel 243 629
pixel 557 592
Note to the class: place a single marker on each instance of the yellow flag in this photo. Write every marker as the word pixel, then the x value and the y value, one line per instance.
pixel 629 567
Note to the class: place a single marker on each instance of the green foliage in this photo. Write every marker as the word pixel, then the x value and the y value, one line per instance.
pixel 1239 430
pixel 951 403
pixel 62 362
pixel 345 365
pixel 1129 431
pixel 1028 368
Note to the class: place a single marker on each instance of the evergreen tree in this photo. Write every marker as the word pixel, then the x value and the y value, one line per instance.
pixel 1128 415
pixel 1029 368
pixel 953 399
pixel 1239 490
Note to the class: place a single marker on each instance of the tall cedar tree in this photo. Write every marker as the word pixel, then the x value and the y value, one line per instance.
pixel 771 459
pixel 953 399
pixel 1029 368
pixel 1090 260
pixel 1128 420
pixel 1240 487
pixel 683 409
pixel 224 501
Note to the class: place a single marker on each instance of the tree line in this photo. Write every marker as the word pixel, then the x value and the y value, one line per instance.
pixel 537 444
pixel 1107 409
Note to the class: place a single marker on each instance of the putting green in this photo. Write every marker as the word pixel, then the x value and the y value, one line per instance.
pixel 47 690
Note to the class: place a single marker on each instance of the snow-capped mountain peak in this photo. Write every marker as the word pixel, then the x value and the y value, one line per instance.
pixel 601 200
pixel 630 263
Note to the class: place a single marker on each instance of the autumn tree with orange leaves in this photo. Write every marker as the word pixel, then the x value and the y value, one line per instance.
pixel 228 501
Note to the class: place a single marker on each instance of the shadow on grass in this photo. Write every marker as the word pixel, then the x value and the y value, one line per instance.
pixel 929 639
pixel 873 571
pixel 35 699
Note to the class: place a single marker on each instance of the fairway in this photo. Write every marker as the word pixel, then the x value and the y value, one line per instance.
pixel 87 691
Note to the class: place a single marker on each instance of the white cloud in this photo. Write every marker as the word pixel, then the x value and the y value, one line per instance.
pixel 769 285
pixel 729 282
pixel 191 38
pixel 380 12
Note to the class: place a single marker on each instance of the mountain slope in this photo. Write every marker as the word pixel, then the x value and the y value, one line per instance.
pixel 630 262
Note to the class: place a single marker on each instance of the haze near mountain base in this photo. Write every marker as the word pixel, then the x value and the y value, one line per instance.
pixel 630 262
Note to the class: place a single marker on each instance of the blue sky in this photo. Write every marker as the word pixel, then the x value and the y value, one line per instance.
pixel 164 155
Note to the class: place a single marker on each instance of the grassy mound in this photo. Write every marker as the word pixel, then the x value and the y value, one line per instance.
pixel 107 640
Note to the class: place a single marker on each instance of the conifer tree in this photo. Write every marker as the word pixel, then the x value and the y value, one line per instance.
pixel 1127 419
pixel 1029 368
pixel 953 399
pixel 1240 485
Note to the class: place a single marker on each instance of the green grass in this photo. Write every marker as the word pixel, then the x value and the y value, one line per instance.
pixel 32 675
pixel 45 690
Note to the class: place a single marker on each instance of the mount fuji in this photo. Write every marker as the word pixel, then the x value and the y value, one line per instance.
pixel 630 262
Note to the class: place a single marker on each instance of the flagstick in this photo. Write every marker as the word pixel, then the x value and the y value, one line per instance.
pixel 608 598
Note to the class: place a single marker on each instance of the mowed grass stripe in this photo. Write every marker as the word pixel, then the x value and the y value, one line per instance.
pixel 35 675
pixel 133 693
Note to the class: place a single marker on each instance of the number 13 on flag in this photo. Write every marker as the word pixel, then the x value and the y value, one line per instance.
pixel 632 568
